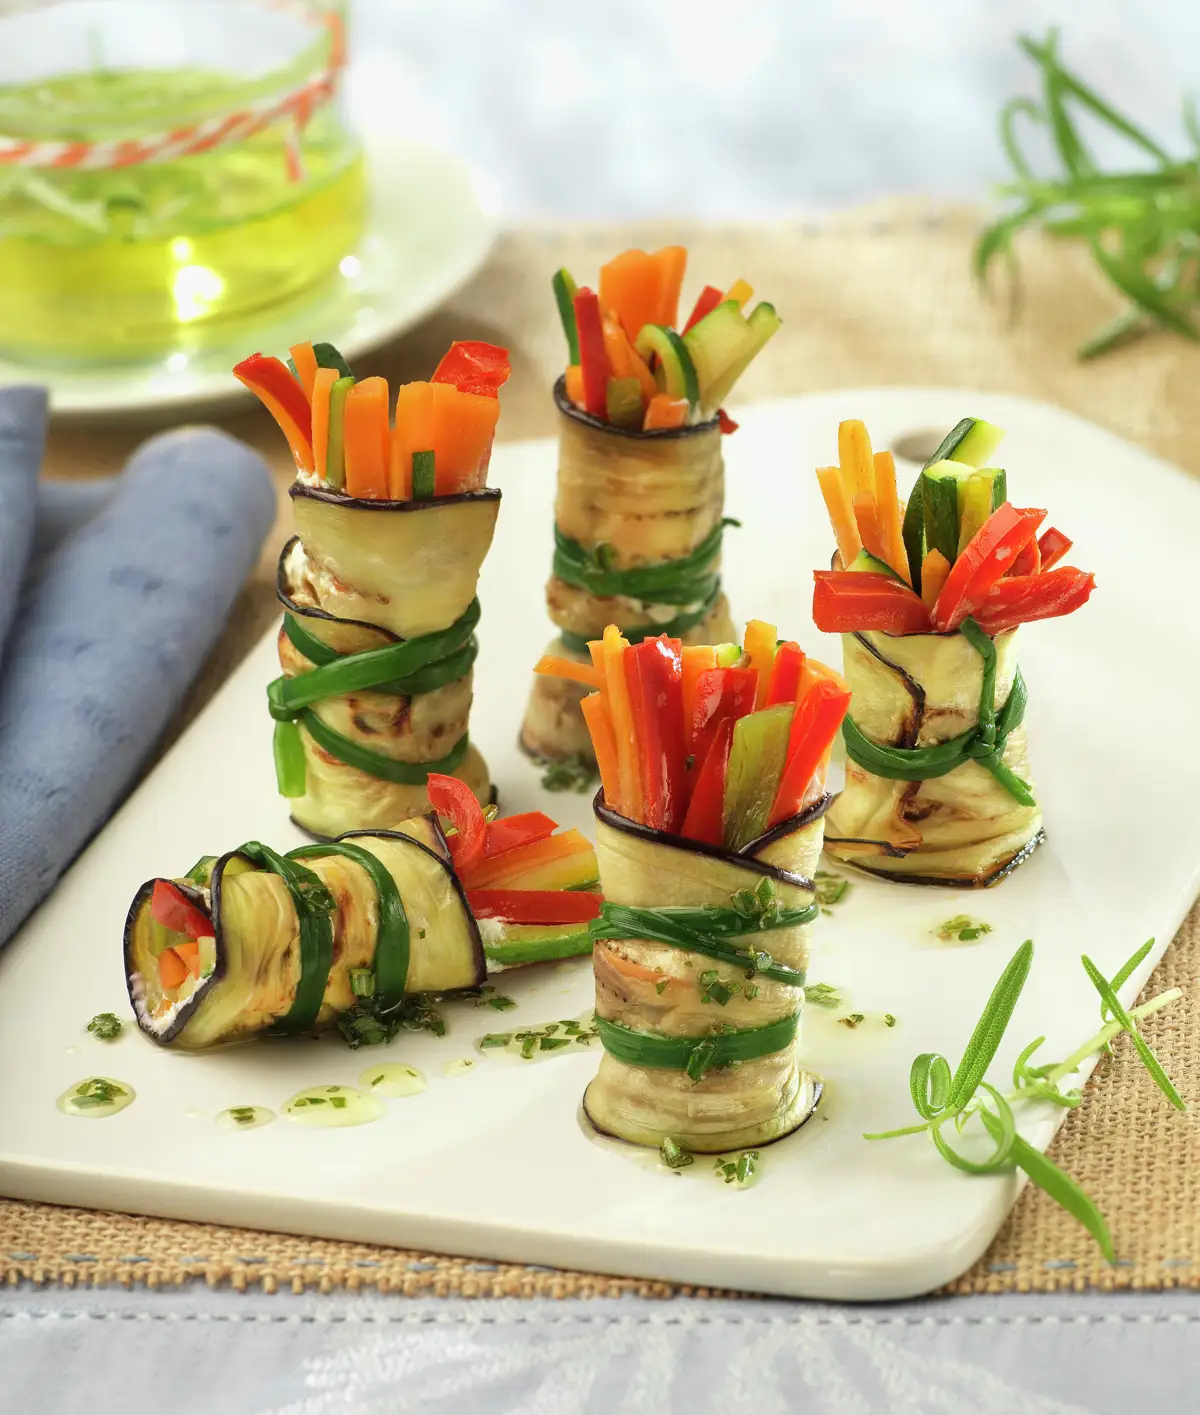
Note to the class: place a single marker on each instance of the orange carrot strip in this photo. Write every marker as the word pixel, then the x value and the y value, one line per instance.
pixel 325 379
pixel 866 514
pixel 759 644
pixel 596 649
pixel 190 953
pixel 856 457
pixel 575 385
pixel 366 439
pixel 887 503
pixel 662 411
pixel 172 970
pixel 616 692
pixel 554 667
pixel 413 433
pixel 631 286
pixel 306 367
pixel 464 425
pixel 697 659
pixel 841 513
pixel 629 969
pixel 672 262
pixel 813 672
pixel 625 360
pixel 604 744
pixel 935 569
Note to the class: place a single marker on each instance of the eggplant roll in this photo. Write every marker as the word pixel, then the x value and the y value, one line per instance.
pixel 394 908
pixel 661 1005
pixel 965 828
pixel 638 522
pixel 362 576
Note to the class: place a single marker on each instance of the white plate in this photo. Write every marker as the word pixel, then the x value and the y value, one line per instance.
pixel 496 1163
pixel 427 232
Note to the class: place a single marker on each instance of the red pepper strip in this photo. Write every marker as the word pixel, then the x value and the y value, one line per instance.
pixel 511 831
pixel 845 601
pixel 654 672
pixel 815 723
pixel 705 819
pixel 726 423
pixel 273 385
pixel 710 298
pixel 988 554
pixel 175 911
pixel 721 693
pixel 1029 562
pixel 454 799
pixel 535 906
pixel 593 361
pixel 474 367
pixel 784 683
pixel 1052 546
pixel 1021 599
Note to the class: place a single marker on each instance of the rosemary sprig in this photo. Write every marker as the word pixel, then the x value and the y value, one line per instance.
pixel 942 1098
pixel 1142 225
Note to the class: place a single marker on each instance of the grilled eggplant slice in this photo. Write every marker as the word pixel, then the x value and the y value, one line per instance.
pixel 656 991
pixel 255 963
pixel 963 829
pixel 635 499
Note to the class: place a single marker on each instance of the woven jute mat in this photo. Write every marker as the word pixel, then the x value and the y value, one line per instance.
pixel 876 296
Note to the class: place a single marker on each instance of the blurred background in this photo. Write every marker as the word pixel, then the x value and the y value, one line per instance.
pixel 750 109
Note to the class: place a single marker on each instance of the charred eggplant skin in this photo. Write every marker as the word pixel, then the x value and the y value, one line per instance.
pixel 655 434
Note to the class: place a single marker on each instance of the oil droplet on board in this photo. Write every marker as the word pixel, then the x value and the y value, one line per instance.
pixel 96 1098
pixel 459 1067
pixel 245 1117
pixel 392 1078
pixel 332 1106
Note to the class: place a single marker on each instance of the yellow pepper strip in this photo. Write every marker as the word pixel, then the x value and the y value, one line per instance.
pixel 740 292
pixel 934 570
pixel 866 513
pixel 887 504
pixel 856 457
pixel 841 513
pixel 616 692
pixel 604 744
pixel 759 645
pixel 553 667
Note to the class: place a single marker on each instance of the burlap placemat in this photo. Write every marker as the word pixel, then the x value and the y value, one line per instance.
pixel 877 296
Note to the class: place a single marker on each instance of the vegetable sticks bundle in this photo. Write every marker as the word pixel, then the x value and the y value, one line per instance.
pixel 715 744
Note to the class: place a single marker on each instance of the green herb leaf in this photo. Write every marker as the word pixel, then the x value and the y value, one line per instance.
pixel 1149 1060
pixel 106 1025
pixel 990 1028
pixel 822 995
pixel 673 1155
pixel 501 1003
pixel 832 888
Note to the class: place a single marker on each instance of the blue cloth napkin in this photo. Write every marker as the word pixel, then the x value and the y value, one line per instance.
pixel 113 594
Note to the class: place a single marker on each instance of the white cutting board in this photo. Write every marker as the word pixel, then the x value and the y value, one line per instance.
pixel 495 1163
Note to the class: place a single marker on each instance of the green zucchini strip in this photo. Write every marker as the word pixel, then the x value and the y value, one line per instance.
pixel 695 1055
pixel 983 743
pixel 390 963
pixel 375 763
pixel 681 581
pixel 673 628
pixel 699 931
pixel 313 904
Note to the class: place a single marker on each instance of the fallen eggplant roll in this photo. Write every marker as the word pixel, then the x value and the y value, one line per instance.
pixel 641 480
pixel 258 942
pixel 378 585
pixel 700 958
pixel 935 791
pixel 927 598
pixel 353 930
pixel 709 828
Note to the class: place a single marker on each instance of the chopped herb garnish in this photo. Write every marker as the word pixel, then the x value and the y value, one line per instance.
pixel 963 928
pixel 496 1039
pixel 832 888
pixel 528 1046
pixel 889 1020
pixel 378 1080
pixel 822 995
pixel 851 1020
pixel 660 988
pixel 550 1043
pixel 106 1025
pixel 366 1025
pixel 338 1102
pixel 575 773
pixel 242 1114
pixel 362 982
pixel 97 1092
pixel 751 991
pixel 673 1155
pixel 501 1004
pixel 712 989
pixel 747 1166
pixel 420 933
pixel 689 761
